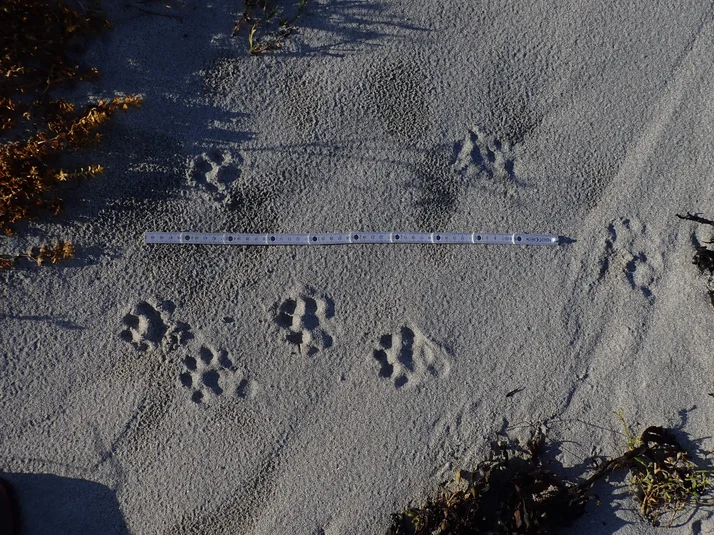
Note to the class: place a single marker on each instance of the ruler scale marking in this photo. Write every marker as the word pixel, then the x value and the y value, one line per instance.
pixel 345 238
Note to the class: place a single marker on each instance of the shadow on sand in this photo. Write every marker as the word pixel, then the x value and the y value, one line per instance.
pixel 50 504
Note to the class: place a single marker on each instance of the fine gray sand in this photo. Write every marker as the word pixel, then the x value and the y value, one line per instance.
pixel 591 120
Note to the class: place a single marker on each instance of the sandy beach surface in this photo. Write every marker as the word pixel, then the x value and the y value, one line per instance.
pixel 169 389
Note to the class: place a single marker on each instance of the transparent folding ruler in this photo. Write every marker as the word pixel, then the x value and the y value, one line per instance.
pixel 343 238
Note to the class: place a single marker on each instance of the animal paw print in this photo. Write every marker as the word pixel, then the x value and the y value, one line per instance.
pixel 215 171
pixel 630 251
pixel 213 375
pixel 304 318
pixel 480 154
pixel 147 327
pixel 410 358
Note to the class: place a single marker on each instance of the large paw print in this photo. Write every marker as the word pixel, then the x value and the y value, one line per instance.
pixel 148 327
pixel 212 375
pixel 410 358
pixel 304 318
pixel 629 250
pixel 215 171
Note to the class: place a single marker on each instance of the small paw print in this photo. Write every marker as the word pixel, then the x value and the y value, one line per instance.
pixel 483 154
pixel 304 317
pixel 214 172
pixel 629 249
pixel 410 358
pixel 148 327
pixel 213 375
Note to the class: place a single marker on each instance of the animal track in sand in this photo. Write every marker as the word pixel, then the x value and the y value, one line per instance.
pixel 409 358
pixel 215 171
pixel 630 251
pixel 213 375
pixel 148 327
pixel 482 155
pixel 305 317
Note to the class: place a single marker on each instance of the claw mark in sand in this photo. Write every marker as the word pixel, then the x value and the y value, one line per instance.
pixel 304 317
pixel 213 375
pixel 409 358
pixel 148 327
pixel 215 172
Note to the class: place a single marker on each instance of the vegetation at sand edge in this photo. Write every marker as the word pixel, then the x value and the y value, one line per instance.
pixel 269 24
pixel 513 491
pixel 38 45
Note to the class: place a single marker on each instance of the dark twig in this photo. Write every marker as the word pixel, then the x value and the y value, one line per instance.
pixel 148 11
pixel 696 218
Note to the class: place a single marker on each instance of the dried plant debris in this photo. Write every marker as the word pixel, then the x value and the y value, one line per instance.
pixel 704 259
pixel 704 254
pixel 41 255
pixel 29 170
pixel 268 23
pixel 39 42
pixel 514 492
pixel 511 492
